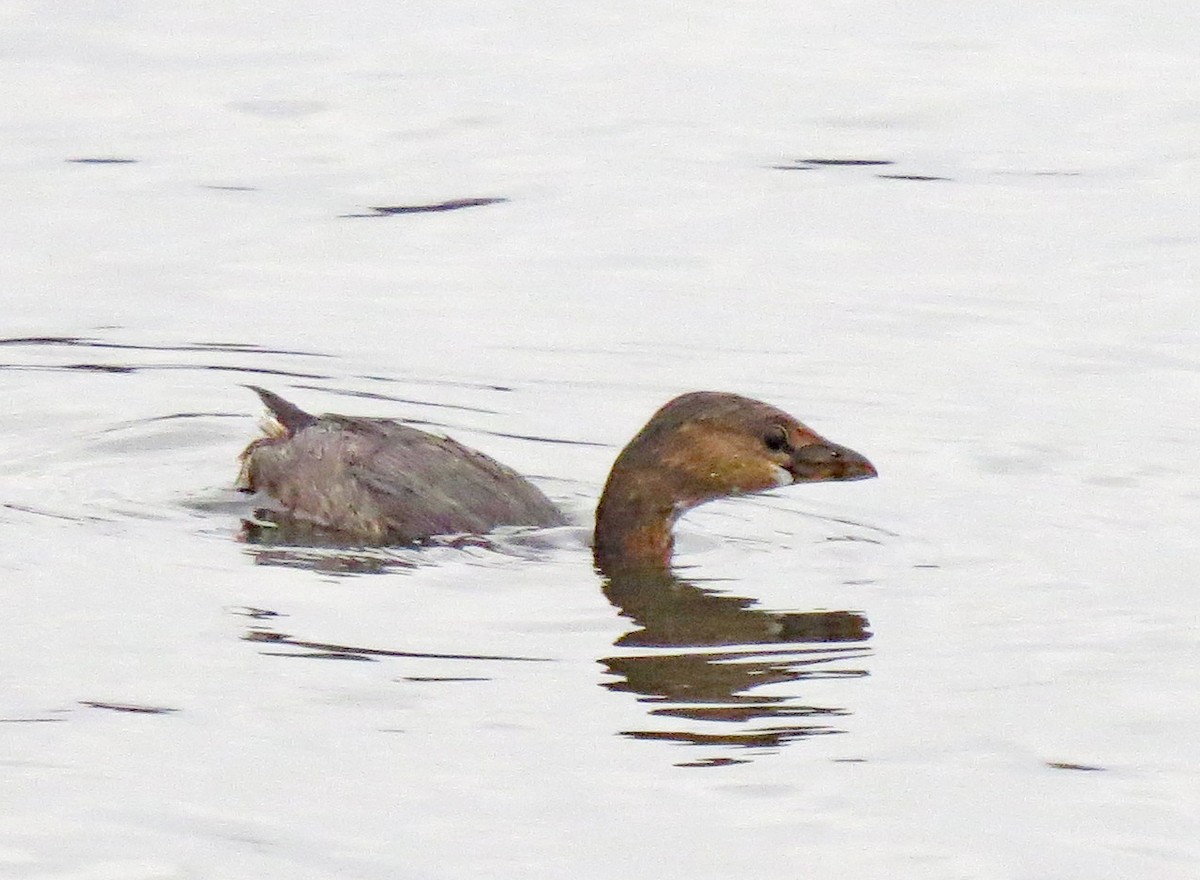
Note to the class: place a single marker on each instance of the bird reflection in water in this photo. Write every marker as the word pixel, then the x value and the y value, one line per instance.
pixel 273 537
pixel 713 685
pixel 733 648
pixel 379 482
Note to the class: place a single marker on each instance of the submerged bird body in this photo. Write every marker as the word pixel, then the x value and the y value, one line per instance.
pixel 378 481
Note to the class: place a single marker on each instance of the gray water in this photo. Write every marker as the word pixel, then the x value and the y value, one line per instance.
pixel 991 662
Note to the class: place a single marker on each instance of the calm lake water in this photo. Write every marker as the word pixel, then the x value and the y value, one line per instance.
pixel 961 241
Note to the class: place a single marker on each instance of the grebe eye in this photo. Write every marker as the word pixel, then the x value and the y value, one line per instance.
pixel 776 439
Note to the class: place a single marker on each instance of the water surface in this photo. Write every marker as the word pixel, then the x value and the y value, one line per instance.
pixel 981 665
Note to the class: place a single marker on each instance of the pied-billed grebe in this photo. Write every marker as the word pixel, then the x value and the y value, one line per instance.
pixel 377 481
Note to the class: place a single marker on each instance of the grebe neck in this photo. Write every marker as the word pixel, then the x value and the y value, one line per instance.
pixel 634 523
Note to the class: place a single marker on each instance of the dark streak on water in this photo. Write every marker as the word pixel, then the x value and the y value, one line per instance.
pixel 102 160
pixel 372 395
pixel 128 707
pixel 537 439
pixel 448 383
pixel 255 613
pixel 743 713
pixel 62 368
pixel 713 762
pixel 1063 765
pixel 321 655
pixel 83 342
pixel 1039 173
pixel 125 368
pixel 815 164
pixel 772 737
pixel 124 426
pixel 855 163
pixel 451 205
pixel 24 508
pixel 257 635
pixel 29 720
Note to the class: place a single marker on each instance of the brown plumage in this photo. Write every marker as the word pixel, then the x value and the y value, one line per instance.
pixel 697 448
pixel 380 482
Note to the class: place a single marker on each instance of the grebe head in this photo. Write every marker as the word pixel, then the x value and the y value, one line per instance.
pixel 712 445
pixel 700 447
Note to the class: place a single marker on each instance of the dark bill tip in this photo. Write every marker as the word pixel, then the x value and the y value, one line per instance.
pixel 820 462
